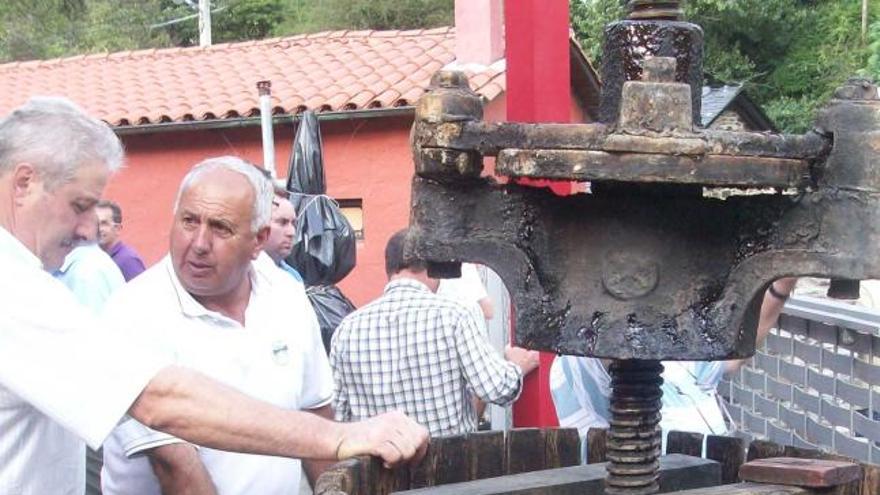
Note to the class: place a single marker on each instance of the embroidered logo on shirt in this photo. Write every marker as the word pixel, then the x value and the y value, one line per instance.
pixel 281 353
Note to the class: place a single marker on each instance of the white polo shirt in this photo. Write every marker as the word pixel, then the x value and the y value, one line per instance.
pixel 277 357
pixel 62 378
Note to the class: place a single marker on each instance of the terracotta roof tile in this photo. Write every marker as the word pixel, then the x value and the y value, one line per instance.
pixel 327 71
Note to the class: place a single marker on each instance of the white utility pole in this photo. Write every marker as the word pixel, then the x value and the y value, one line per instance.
pixel 864 21
pixel 204 22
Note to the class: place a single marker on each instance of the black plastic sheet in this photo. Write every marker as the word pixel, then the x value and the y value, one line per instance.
pixel 330 306
pixel 324 249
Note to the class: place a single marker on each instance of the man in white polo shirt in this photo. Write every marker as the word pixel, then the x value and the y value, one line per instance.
pixel 64 380
pixel 212 306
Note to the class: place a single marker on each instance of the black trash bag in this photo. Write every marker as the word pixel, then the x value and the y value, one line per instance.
pixel 324 249
pixel 306 168
pixel 330 306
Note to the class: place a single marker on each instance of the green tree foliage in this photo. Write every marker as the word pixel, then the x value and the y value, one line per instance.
pixel 312 16
pixel 790 54
pixel 872 68
pixel 588 20
pixel 231 21
pixel 39 29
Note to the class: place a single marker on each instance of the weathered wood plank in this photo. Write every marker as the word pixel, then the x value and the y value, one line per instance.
pixel 684 442
pixel 751 489
pixel 729 452
pixel 382 481
pixel 762 449
pixel 791 451
pixel 676 472
pixel 486 455
pixel 422 474
pixel 525 450
pixel 450 459
pixel 342 477
pixel 800 472
pixel 447 461
pixel 596 440
pixel 562 447
pixel 870 479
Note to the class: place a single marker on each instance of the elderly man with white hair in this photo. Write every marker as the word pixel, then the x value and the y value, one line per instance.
pixel 212 306
pixel 64 379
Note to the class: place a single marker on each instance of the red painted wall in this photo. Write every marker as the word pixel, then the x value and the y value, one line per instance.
pixel 366 159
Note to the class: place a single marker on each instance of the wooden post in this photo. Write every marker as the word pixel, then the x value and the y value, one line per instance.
pixel 730 452
pixel 683 442
pixel 596 438
pixel 525 450
pixel 487 455
pixel 562 448
pixel 762 449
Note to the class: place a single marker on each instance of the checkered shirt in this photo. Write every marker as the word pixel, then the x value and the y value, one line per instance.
pixel 415 351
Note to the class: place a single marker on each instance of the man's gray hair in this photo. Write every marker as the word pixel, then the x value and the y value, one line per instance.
pixel 57 138
pixel 259 180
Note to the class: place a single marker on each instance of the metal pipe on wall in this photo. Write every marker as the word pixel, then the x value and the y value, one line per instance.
pixel 265 90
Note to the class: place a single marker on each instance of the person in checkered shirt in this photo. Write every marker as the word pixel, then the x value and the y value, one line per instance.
pixel 422 353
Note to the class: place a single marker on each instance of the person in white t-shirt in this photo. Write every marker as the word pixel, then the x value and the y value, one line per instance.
pixel 212 306
pixel 65 380
pixel 468 289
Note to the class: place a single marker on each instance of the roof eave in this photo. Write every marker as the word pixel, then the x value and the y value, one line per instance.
pixel 201 125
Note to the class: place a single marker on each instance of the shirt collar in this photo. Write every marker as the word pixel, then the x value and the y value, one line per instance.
pixel 405 283
pixel 10 246
pixel 188 304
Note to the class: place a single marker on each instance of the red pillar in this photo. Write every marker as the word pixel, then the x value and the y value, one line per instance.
pixel 538 90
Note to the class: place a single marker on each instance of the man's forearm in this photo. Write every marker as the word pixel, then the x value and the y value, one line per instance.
pixel 314 467
pixel 180 471
pixel 479 407
pixel 771 308
pixel 190 406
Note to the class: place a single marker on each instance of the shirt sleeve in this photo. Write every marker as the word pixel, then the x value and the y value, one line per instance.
pixel 491 377
pixel 92 280
pixel 131 266
pixel 136 439
pixel 57 357
pixel 707 374
pixel 341 405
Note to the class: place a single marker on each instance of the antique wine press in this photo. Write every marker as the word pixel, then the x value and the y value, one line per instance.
pixel 650 265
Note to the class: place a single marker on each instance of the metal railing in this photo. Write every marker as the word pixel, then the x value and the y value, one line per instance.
pixel 815 381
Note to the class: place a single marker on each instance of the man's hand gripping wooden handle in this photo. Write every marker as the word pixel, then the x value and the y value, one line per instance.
pixel 392 436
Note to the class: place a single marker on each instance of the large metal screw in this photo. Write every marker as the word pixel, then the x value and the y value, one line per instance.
pixel 669 10
pixel 634 439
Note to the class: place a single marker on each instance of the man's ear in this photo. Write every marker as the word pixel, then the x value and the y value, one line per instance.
pixel 24 180
pixel 261 237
